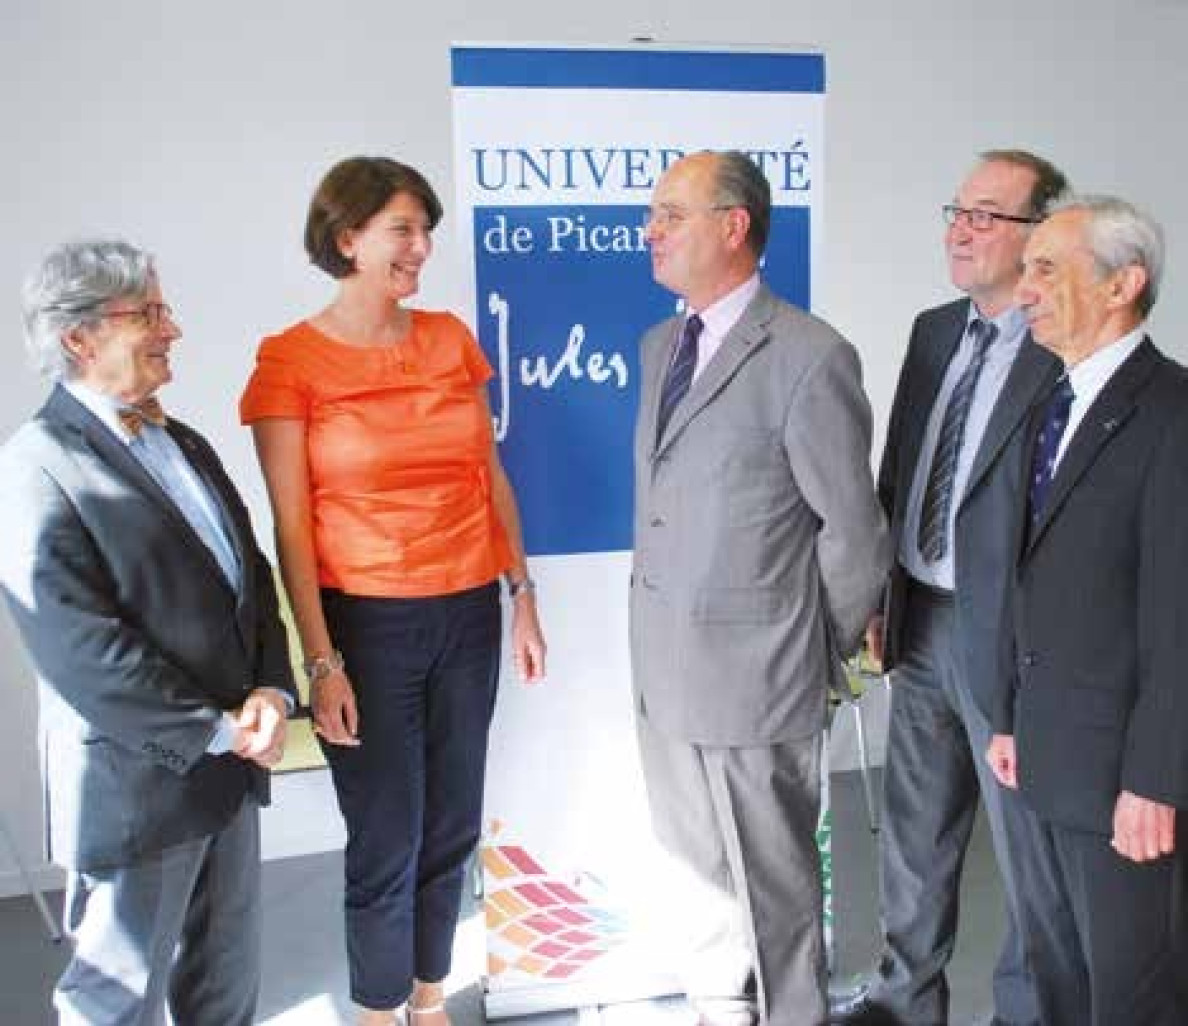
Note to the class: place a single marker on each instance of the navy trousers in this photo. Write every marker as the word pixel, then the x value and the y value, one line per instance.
pixel 1104 935
pixel 425 672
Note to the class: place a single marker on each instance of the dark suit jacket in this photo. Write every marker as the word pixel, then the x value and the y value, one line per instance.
pixel 1099 700
pixel 984 556
pixel 138 641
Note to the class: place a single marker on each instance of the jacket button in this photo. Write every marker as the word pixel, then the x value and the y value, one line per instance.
pixel 657 520
pixel 1031 659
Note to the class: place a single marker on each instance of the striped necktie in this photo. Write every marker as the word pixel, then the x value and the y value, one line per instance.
pixel 933 535
pixel 680 373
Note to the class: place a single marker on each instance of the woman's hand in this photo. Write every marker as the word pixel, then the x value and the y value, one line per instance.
pixel 336 717
pixel 528 644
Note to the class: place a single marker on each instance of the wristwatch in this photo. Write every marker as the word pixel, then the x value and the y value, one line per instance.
pixel 320 667
pixel 525 583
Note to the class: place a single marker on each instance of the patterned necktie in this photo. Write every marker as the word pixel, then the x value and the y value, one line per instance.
pixel 933 535
pixel 1047 445
pixel 680 373
pixel 147 411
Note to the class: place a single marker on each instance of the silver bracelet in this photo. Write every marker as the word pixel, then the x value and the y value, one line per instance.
pixel 320 667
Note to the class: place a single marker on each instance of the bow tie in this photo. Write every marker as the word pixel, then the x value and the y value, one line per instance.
pixel 147 411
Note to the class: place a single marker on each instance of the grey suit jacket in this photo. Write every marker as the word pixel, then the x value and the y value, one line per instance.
pixel 138 640
pixel 760 548
pixel 1098 701
pixel 983 555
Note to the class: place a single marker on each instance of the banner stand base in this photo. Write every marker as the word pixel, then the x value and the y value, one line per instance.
pixel 585 996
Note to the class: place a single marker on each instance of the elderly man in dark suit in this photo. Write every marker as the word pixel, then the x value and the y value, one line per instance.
pixel 1090 726
pixel 760 552
pixel 130 569
pixel 968 379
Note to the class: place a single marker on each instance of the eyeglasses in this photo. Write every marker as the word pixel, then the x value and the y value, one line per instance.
pixel 674 217
pixel 981 220
pixel 150 315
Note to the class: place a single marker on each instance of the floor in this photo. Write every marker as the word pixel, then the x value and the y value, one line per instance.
pixel 305 976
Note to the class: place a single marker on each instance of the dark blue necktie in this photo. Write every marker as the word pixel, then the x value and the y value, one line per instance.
pixel 933 535
pixel 1047 445
pixel 680 373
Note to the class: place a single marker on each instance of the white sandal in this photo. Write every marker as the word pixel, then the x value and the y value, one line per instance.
pixel 391 1016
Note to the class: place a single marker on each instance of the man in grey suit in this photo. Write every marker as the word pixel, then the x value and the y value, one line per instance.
pixel 151 620
pixel 760 551
pixel 1090 722
pixel 969 377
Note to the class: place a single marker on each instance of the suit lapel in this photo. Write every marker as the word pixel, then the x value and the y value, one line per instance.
pixel 935 362
pixel 240 534
pixel 1030 376
pixel 1104 421
pixel 740 343
pixel 64 408
pixel 215 488
pixel 655 353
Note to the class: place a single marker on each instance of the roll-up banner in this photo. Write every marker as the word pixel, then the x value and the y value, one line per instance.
pixel 556 154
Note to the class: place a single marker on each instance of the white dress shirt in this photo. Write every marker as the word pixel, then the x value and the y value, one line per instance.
pixel 1090 376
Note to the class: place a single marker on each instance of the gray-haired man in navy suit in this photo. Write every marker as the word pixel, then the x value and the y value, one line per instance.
pixel 1090 722
pixel 150 616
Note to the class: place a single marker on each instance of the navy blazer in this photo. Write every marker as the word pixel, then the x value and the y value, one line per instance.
pixel 1098 702
pixel 137 638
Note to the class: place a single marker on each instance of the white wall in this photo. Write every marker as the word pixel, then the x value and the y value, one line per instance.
pixel 199 130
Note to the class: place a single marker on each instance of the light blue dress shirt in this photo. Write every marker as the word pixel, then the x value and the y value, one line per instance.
pixel 1000 357
pixel 155 450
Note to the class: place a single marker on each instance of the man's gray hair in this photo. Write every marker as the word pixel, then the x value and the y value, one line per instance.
pixel 1120 235
pixel 68 290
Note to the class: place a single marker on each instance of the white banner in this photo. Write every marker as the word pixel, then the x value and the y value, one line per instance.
pixel 556 155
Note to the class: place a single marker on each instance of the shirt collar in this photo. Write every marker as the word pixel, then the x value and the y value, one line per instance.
pixel 105 407
pixel 1011 322
pixel 1089 376
pixel 723 315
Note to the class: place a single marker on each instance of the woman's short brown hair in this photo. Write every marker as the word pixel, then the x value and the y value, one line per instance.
pixel 353 192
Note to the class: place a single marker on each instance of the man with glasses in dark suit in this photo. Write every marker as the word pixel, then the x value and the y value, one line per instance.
pixel 970 374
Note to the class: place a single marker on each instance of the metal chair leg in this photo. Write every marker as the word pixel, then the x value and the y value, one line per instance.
pixel 51 925
pixel 872 815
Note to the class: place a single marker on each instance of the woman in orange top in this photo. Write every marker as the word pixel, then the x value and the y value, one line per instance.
pixel 394 520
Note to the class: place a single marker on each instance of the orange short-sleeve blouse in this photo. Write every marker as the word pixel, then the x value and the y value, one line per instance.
pixel 399 445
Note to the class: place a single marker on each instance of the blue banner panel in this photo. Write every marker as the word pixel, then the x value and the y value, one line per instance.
pixel 532 67
pixel 564 294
